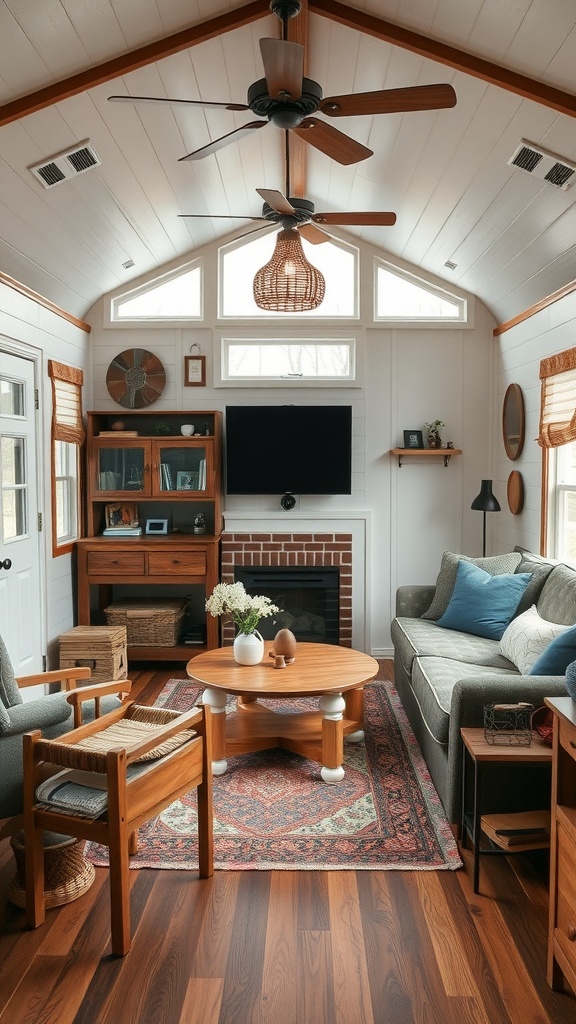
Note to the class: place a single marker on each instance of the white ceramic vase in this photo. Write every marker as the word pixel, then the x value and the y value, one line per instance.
pixel 248 648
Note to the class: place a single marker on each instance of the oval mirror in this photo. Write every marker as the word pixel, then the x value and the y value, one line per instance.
pixel 513 421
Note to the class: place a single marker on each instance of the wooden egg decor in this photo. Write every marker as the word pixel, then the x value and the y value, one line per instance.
pixel 285 645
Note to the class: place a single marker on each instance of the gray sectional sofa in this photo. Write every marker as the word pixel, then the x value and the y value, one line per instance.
pixel 445 676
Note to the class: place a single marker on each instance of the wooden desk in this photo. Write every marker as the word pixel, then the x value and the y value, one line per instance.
pixel 481 753
pixel 335 674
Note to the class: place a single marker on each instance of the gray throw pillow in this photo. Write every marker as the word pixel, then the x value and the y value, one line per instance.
pixel 9 692
pixel 4 718
pixel 540 571
pixel 495 565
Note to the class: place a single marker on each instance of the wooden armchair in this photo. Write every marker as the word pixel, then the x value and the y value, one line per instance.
pixel 51 713
pixel 141 759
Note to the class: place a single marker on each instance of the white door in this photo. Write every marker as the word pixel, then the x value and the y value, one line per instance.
pixel 20 596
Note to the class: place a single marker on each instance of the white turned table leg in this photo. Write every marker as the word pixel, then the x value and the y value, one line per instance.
pixel 216 699
pixel 332 705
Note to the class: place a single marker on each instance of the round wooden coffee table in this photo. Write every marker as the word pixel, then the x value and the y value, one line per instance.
pixel 336 675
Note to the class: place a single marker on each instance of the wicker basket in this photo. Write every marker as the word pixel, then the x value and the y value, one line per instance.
pixel 99 648
pixel 148 623
pixel 67 874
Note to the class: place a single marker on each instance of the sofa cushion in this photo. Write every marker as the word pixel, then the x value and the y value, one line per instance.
pixel 481 603
pixel 557 601
pixel 9 693
pixel 559 653
pixel 526 638
pixel 433 680
pixel 540 570
pixel 412 637
pixel 449 568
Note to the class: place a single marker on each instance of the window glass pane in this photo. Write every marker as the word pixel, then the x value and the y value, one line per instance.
pixel 66 491
pixel 398 296
pixel 11 398
pixel 240 264
pixel 13 462
pixel 290 359
pixel 177 298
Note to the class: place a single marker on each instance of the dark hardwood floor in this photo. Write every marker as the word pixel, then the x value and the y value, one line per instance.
pixel 289 947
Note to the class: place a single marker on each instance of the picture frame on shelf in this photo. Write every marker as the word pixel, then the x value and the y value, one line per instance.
pixel 186 481
pixel 413 439
pixel 120 515
pixel 157 527
pixel 194 371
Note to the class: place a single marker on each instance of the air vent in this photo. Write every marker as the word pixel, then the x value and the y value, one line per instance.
pixel 66 165
pixel 543 165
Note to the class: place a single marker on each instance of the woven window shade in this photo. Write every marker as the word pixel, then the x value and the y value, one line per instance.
pixel 67 384
pixel 558 401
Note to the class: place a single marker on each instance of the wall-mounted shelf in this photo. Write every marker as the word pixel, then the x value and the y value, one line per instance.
pixel 425 453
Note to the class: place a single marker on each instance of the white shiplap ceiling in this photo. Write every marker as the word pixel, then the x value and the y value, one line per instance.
pixel 444 173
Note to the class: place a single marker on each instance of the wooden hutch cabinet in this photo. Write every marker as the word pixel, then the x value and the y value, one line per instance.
pixel 173 483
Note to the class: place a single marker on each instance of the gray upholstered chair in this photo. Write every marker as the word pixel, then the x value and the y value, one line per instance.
pixel 53 714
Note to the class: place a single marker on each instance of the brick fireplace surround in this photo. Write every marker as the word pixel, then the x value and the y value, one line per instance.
pixel 298 549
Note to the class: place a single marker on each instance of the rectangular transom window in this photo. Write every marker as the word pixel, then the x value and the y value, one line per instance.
pixel 285 360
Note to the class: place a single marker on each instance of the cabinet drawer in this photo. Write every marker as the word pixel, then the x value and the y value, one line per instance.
pixel 128 563
pixel 177 563
pixel 565 931
pixel 568 737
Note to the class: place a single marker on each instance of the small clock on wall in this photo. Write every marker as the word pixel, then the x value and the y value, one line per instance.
pixel 135 378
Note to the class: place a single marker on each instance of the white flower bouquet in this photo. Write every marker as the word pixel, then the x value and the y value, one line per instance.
pixel 245 611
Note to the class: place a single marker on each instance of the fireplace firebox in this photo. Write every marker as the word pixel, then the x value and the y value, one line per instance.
pixel 307 596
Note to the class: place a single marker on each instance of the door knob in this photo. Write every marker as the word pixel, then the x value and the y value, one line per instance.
pixel 6 564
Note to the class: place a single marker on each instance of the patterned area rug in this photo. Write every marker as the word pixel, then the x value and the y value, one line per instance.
pixel 273 811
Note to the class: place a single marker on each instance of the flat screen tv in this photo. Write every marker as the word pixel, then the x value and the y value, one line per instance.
pixel 288 449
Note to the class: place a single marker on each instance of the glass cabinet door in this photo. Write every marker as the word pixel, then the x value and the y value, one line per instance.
pixel 184 466
pixel 122 469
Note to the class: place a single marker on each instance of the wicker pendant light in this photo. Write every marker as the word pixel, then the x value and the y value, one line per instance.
pixel 288 283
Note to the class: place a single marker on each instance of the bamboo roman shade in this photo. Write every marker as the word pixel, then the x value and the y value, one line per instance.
pixel 558 401
pixel 67 384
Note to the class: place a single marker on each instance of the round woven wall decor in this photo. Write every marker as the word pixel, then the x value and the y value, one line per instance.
pixel 135 378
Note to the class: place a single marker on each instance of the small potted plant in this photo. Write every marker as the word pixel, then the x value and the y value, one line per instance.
pixel 433 433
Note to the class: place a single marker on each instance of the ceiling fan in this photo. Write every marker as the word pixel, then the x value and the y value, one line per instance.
pixel 300 213
pixel 288 100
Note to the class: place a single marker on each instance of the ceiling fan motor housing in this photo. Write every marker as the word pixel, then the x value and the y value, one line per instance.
pixel 303 212
pixel 284 113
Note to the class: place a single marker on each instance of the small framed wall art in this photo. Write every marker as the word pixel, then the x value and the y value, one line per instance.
pixel 194 371
pixel 413 439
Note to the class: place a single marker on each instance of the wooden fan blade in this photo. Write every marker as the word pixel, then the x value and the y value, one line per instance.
pixel 390 101
pixel 382 219
pixel 312 234
pixel 224 216
pixel 330 141
pixel 224 140
pixel 187 103
pixel 276 201
pixel 283 67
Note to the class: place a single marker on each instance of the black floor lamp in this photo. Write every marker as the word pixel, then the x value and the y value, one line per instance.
pixel 485 502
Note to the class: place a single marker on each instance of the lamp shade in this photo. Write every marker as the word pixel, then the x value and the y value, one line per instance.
pixel 288 283
pixel 485 500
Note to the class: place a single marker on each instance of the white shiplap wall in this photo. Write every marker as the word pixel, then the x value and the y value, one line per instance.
pixel 30 329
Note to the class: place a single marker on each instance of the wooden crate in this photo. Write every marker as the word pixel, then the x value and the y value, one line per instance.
pixel 150 623
pixel 103 649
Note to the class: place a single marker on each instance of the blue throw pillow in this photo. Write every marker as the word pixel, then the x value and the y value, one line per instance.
pixel 483 604
pixel 555 658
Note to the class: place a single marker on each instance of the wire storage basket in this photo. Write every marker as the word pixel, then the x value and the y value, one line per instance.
pixel 508 724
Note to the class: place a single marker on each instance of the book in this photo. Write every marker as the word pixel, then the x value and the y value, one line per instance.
pixel 524 828
pixel 122 531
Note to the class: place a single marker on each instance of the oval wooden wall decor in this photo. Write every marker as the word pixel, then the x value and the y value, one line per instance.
pixel 135 378
pixel 513 421
pixel 515 492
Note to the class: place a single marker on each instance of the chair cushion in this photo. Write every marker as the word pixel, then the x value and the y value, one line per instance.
pixel 4 717
pixel 9 692
pixel 481 603
pixel 447 576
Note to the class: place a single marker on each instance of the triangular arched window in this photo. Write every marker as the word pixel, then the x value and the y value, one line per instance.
pixel 400 295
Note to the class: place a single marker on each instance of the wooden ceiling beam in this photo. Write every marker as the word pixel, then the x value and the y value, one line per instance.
pixel 528 88
pixel 127 62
